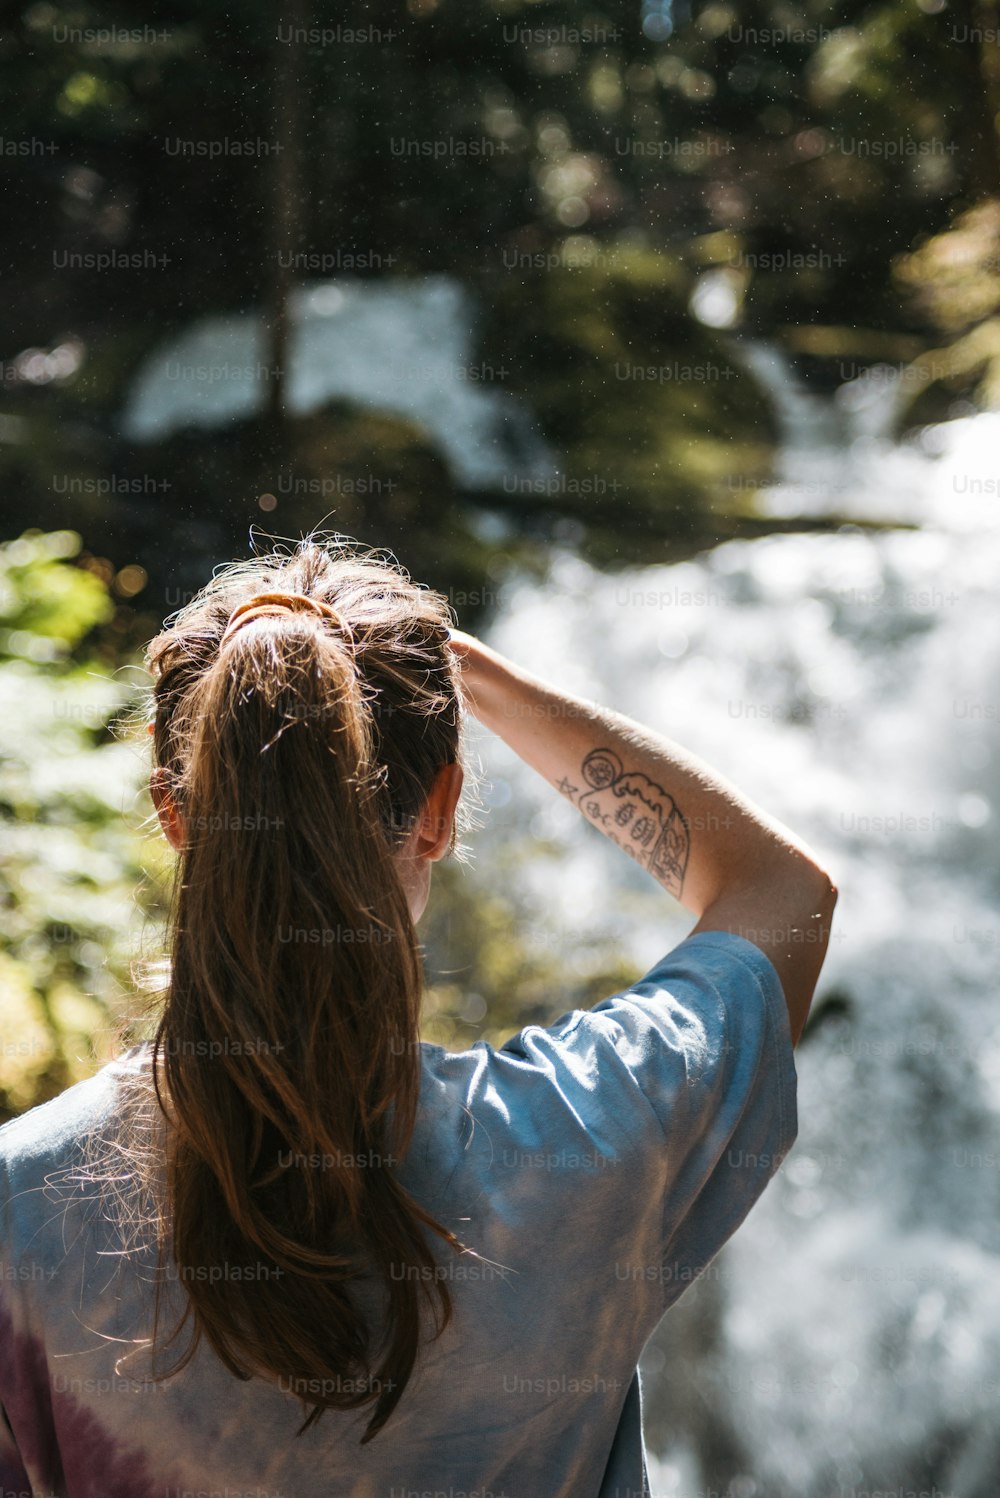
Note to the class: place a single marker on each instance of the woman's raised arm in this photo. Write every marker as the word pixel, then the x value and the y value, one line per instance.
pixel 711 847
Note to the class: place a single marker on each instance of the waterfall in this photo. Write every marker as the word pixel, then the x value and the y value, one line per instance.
pixel 847 1340
pixel 404 346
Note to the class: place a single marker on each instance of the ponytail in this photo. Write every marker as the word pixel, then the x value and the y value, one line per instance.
pixel 287 1054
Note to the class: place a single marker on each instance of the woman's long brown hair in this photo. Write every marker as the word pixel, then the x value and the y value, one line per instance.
pixel 298 756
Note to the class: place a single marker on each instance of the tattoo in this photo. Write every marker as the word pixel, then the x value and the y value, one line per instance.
pixel 647 822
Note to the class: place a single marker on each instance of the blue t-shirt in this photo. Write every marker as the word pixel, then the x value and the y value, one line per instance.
pixel 596 1166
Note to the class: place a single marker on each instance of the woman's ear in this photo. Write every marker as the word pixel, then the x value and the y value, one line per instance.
pixel 432 836
pixel 166 809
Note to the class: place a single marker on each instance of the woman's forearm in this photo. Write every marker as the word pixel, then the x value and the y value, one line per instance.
pixel 690 827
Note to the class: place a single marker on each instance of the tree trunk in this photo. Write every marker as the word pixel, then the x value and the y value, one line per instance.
pixel 286 221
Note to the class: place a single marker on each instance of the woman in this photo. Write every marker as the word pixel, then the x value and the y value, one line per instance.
pixel 287 1248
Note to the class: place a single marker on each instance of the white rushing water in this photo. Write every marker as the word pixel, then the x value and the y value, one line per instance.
pixel 847 1340
pixel 405 346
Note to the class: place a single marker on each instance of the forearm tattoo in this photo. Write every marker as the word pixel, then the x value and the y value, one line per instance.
pixel 636 813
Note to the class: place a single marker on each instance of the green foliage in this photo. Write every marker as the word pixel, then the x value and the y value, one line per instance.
pixel 953 279
pixel 633 395
pixel 47 608
pixel 70 810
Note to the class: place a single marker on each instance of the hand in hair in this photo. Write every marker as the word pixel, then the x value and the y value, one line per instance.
pixel 477 666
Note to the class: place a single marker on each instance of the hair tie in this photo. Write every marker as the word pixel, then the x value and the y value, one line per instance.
pixel 276 605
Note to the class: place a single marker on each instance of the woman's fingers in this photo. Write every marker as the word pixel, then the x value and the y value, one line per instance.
pixel 461 643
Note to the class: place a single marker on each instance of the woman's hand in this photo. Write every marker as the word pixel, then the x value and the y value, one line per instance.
pixel 477 666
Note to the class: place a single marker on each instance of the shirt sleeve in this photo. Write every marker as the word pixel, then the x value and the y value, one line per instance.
pixel 688 1077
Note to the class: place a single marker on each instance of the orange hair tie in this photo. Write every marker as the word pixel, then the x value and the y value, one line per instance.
pixel 275 605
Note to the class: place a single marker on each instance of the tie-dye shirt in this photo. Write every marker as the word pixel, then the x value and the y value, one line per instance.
pixel 596 1166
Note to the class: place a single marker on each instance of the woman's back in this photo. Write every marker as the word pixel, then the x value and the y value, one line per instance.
pixel 596 1165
